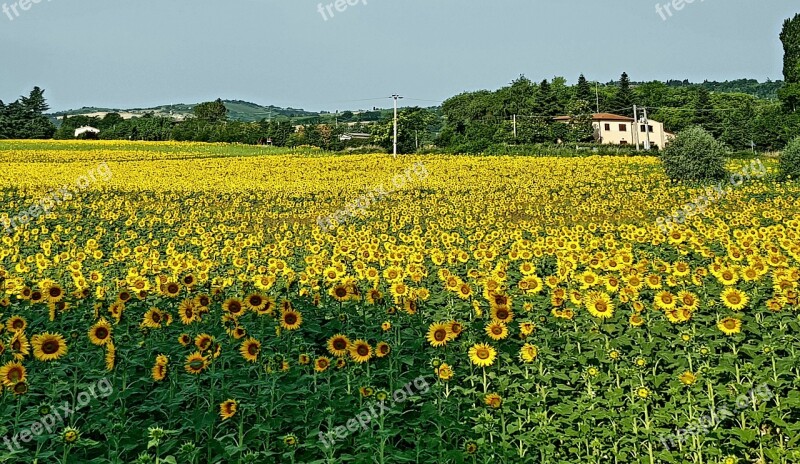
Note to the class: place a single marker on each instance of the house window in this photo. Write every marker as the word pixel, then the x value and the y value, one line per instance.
pixel 608 127
pixel 650 129
pixel 642 128
pixel 623 128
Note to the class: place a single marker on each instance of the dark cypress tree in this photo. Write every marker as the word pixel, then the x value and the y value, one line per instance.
pixel 790 36
pixel 583 91
pixel 623 100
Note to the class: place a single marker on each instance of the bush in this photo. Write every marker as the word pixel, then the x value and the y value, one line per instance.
pixel 695 155
pixel 789 164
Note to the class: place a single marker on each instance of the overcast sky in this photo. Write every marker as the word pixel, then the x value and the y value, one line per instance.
pixel 123 54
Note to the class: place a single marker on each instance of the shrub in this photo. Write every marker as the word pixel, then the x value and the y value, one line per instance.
pixel 695 155
pixel 789 164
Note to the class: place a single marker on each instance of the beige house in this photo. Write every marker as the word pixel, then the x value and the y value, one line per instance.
pixel 613 129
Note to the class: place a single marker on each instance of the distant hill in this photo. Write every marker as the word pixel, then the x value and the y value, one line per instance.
pixel 237 111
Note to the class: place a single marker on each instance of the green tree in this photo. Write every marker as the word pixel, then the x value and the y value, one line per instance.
pixel 694 155
pixel 583 91
pixel 790 37
pixel 624 98
pixel 211 112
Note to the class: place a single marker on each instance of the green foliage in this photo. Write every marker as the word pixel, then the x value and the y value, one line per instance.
pixel 789 165
pixel 695 155
pixel 25 119
pixel 790 37
pixel 624 99
pixel 211 112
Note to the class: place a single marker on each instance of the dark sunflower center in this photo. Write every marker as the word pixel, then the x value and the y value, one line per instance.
pixel 290 319
pixel 255 300
pixel 101 333
pixel 252 349
pixel 439 335
pixel 341 292
pixel 50 347
pixel 339 344
pixel 482 353
pixel 55 292
pixel 362 350
pixel 734 298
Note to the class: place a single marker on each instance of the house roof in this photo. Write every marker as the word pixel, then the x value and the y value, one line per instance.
pixel 600 117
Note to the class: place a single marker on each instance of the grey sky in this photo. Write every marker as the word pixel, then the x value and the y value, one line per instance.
pixel 141 53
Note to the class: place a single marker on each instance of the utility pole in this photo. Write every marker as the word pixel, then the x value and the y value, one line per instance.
pixel 515 126
pixel 597 94
pixel 396 97
pixel 646 129
pixel 635 134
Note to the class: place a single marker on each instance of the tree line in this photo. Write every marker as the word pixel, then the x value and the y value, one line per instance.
pixel 741 114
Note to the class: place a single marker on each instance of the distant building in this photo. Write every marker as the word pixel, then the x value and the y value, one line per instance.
pixel 87 132
pixel 354 136
pixel 613 129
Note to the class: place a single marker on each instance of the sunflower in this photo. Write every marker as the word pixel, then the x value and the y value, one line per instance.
pixel 16 324
pixel 204 342
pixel 184 339
pixel 444 372
pixel 502 314
pixel 482 355
pixel 665 300
pixel 48 346
pixel 493 400
pixel 688 300
pixel 290 441
pixel 36 296
pixel 341 363
pixel 250 349
pixel 20 388
pixel 171 289
pixel 153 318
pixel 455 329
pixel 291 319
pixel 528 353
pixel 636 320
pixel 642 392
pixel 189 281
pixel 111 356
pixel 382 349
pixel 734 299
pixel 196 363
pixel 70 435
pixel 159 372
pixel 20 347
pixel 599 305
pixel 100 332
pixel 374 296
pixel 438 334
pixel 255 302
pixel 233 306
pixel 496 330
pixel 526 328
pixel 730 325
pixel 11 373
pixel 360 351
pixel 688 378
pixel 471 447
pixel 386 326
pixel 124 296
pixel 322 363
pixel 227 409
pixel 338 345
pixel 339 292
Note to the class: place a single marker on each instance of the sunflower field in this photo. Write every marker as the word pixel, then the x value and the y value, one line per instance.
pixel 180 303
